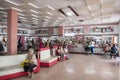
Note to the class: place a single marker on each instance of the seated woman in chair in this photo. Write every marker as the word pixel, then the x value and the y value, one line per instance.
pixel 60 53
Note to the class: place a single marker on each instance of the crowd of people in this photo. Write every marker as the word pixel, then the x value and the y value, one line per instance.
pixel 36 44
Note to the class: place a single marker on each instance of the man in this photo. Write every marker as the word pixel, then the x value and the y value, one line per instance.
pixel 92 46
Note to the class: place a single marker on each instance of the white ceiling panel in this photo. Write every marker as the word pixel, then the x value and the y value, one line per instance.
pixel 88 10
pixel 93 2
pixel 107 1
pixel 108 5
pixel 94 7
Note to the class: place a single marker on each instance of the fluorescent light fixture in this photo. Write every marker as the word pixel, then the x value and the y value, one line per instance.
pixel 75 22
pixel 21 14
pixel 34 11
pixel 33 5
pixel 5 15
pixel 3 12
pixel 50 7
pixel 22 17
pixel 49 13
pixel 24 20
pixel 16 9
pixel 1 8
pixel 47 17
pixel 35 18
pixel 12 2
pixel 34 15
pixel 68 11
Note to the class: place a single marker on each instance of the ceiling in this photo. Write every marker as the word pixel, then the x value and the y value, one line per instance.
pixel 44 13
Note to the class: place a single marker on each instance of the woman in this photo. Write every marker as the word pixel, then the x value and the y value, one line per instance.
pixel 60 53
pixel 65 51
pixel 29 65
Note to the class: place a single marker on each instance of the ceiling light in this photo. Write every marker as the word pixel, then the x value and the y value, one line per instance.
pixel 24 20
pixel 1 8
pixel 22 17
pixel 12 2
pixel 5 15
pixel 3 12
pixel 35 18
pixel 68 11
pixel 32 5
pixel 21 14
pixel 50 7
pixel 47 17
pixel 16 9
pixel 34 11
pixel 34 15
pixel 49 13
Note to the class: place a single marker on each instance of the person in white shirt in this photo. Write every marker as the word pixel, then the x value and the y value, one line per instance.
pixel 92 46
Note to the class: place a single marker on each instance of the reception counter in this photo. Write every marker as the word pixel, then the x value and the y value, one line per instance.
pixel 80 49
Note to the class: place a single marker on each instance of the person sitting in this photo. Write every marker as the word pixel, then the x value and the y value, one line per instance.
pixel 29 64
pixel 60 53
pixel 113 51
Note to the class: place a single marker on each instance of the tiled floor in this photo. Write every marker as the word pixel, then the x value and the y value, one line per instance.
pixel 80 67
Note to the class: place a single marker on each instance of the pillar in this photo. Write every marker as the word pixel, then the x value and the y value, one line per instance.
pixel 12 32
pixel 61 30
pixel 50 31
pixel 119 37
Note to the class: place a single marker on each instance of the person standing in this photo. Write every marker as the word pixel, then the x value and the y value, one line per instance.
pixel 92 46
pixel 51 47
pixel 113 51
pixel 19 46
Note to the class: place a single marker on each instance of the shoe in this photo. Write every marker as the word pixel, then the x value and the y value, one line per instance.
pixel 32 76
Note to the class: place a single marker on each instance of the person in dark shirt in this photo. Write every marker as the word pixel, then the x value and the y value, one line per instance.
pixel 113 51
pixel 19 46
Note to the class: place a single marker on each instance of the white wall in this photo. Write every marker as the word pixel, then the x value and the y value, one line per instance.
pixel 55 31
pixel 115 27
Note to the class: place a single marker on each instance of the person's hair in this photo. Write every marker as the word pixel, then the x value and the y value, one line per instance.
pixel 31 50
pixel 113 44
pixel 58 47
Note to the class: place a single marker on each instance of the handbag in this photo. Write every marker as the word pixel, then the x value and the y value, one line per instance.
pixel 22 64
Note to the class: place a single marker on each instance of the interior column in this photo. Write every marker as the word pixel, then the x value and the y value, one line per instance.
pixel 119 37
pixel 12 32
pixel 61 30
